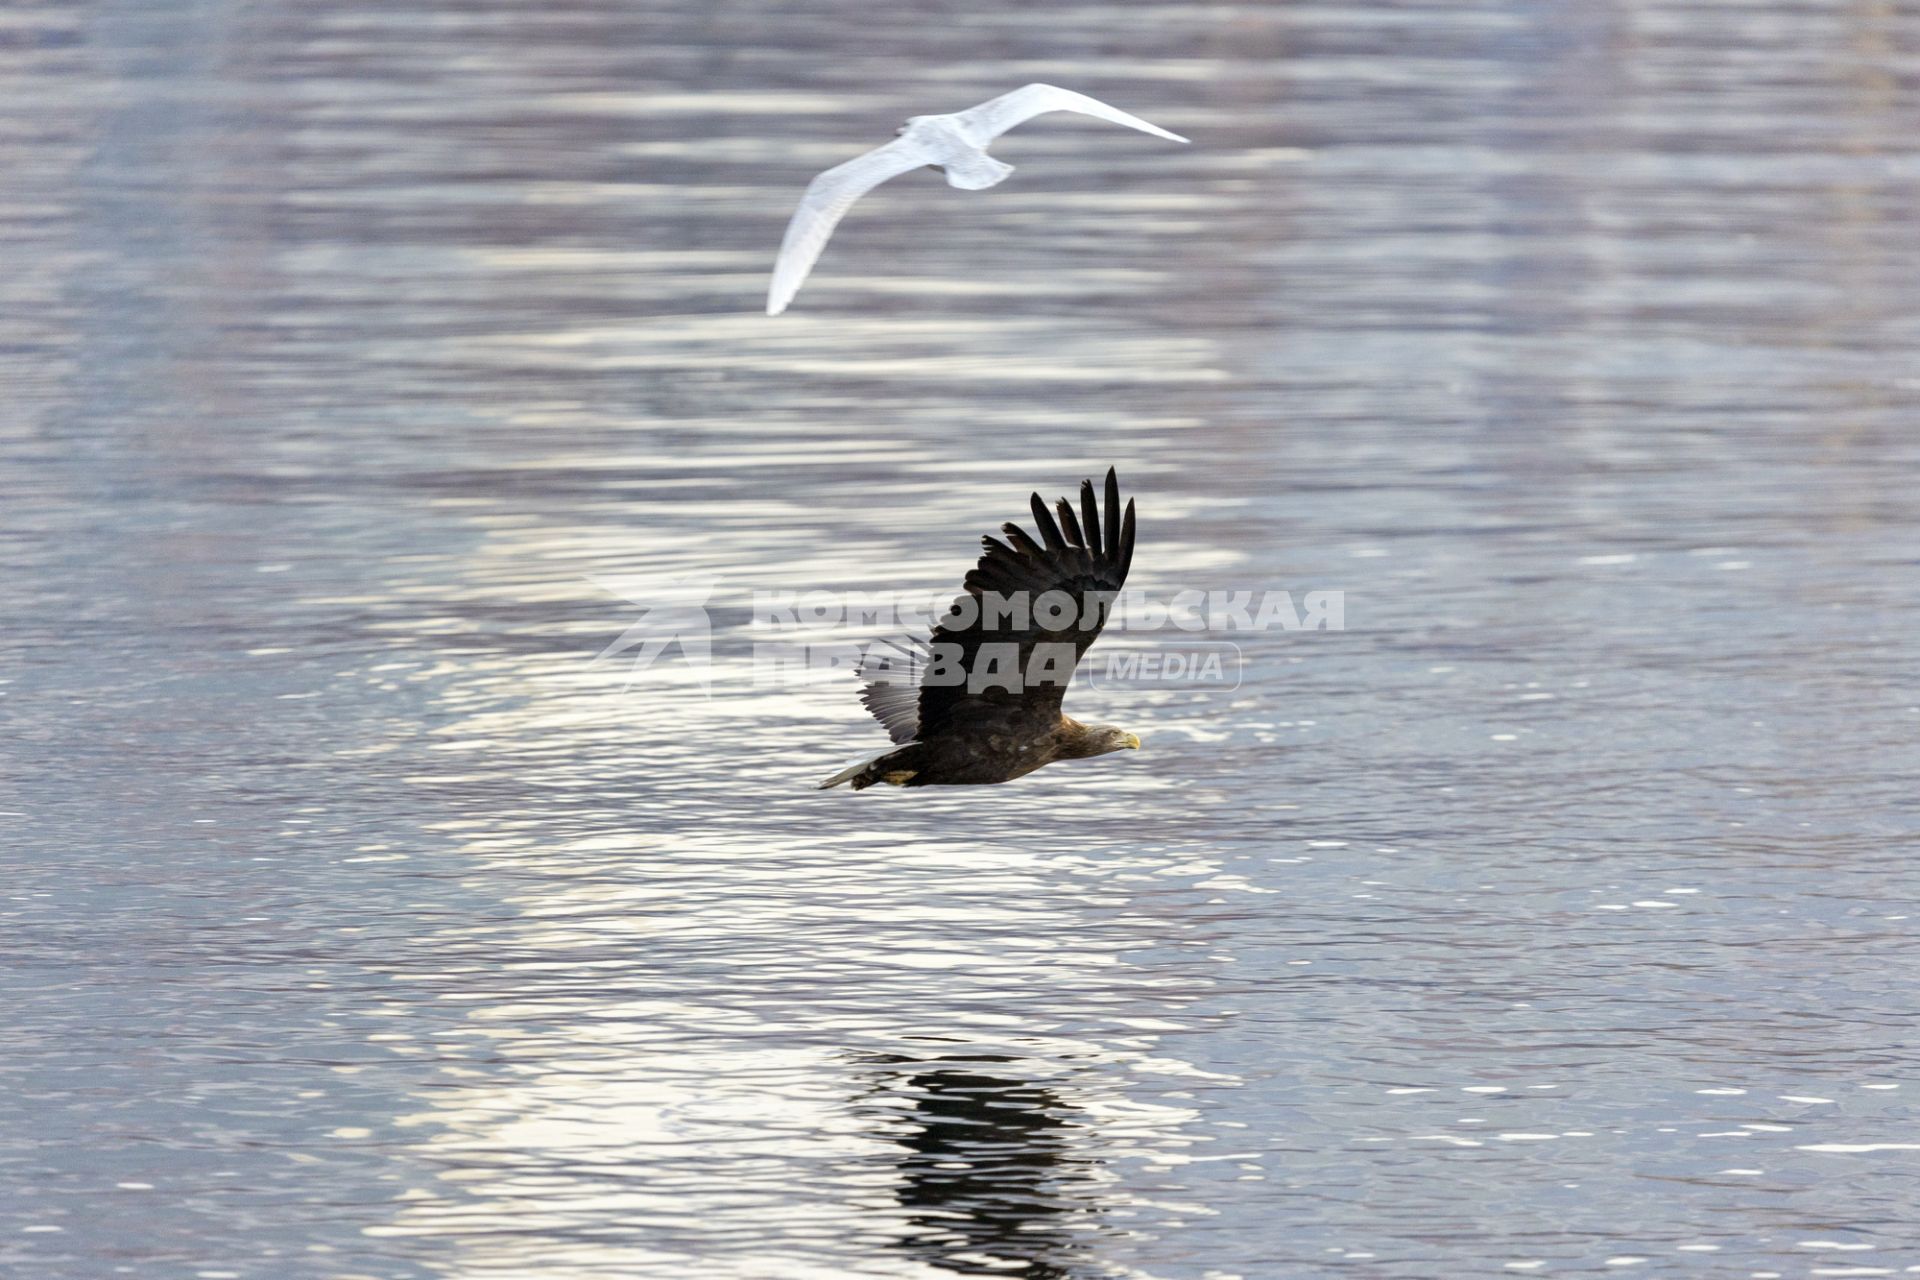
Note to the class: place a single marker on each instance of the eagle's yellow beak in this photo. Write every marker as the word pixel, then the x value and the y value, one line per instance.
pixel 1133 740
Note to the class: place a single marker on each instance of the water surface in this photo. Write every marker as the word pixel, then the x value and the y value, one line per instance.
pixel 1555 918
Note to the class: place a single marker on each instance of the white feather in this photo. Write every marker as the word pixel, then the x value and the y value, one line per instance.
pixel 827 199
pixel 997 115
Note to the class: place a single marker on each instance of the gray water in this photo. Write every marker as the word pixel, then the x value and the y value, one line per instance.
pixel 1557 917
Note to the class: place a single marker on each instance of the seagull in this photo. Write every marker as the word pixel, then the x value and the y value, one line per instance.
pixel 955 145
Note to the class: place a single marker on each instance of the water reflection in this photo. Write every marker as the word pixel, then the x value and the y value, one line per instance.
pixel 991 1173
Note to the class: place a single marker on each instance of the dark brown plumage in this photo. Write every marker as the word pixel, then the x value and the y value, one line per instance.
pixel 979 701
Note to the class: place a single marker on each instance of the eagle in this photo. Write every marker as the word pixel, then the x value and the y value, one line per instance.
pixel 979 701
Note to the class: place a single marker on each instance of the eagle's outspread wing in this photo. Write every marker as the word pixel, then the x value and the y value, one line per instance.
pixel 892 670
pixel 826 201
pixel 995 116
pixel 980 644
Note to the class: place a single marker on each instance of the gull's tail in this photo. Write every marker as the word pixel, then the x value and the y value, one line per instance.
pixel 975 171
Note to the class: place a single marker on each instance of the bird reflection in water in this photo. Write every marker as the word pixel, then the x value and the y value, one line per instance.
pixel 989 1173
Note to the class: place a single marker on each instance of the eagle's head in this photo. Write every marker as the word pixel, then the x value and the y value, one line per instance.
pixel 1100 740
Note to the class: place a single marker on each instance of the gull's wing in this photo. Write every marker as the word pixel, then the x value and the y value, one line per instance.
pixel 827 199
pixel 997 115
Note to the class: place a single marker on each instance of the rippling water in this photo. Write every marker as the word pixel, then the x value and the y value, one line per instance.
pixel 1556 917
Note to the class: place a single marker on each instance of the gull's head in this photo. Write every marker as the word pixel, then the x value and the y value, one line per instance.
pixel 904 129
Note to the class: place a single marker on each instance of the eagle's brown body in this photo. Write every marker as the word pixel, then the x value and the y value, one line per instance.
pixel 980 701
pixel 991 757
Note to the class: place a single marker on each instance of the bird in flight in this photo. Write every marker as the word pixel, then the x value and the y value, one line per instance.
pixel 980 701
pixel 955 145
